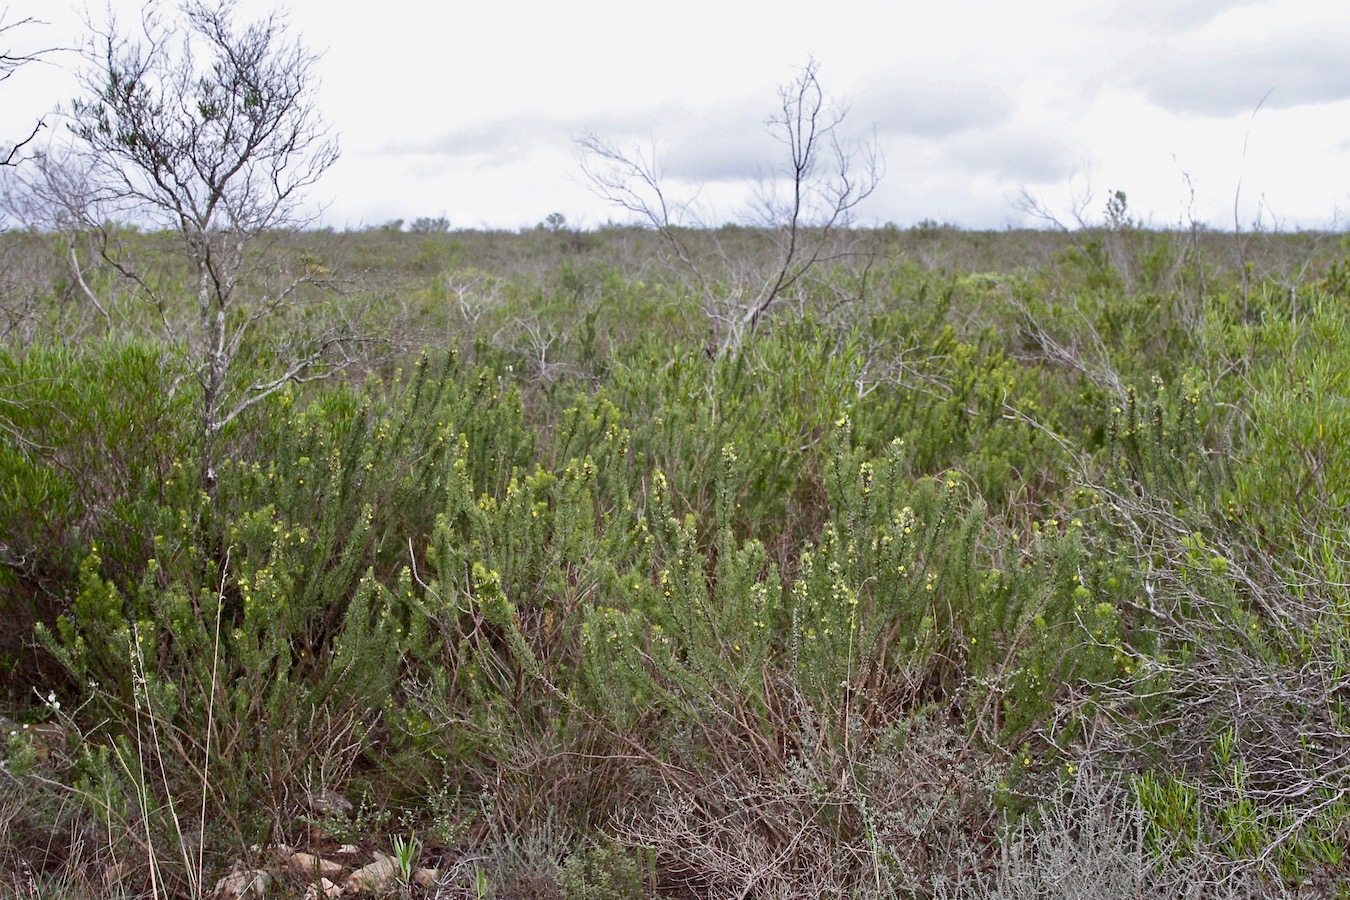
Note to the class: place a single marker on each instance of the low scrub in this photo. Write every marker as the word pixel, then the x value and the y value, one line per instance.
pixel 928 596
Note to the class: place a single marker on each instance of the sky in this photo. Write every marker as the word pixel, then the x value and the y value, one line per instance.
pixel 1220 112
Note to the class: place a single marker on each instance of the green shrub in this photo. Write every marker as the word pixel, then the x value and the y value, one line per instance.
pixel 94 444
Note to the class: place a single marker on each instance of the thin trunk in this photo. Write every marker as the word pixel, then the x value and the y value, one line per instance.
pixel 215 365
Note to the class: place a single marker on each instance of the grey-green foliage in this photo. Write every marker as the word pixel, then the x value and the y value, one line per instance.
pixel 604 872
pixel 1090 844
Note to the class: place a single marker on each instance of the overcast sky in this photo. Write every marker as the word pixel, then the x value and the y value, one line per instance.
pixel 470 110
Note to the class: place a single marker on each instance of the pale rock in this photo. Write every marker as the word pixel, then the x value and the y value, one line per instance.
pixel 307 864
pixel 426 878
pixel 242 883
pixel 324 890
pixel 374 878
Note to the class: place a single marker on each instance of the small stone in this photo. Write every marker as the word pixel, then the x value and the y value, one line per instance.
pixel 242 883
pixel 426 878
pixel 323 801
pixel 374 878
pixel 324 890
pixel 307 864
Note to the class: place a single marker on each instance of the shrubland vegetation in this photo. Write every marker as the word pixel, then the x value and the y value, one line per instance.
pixel 793 560
pixel 996 579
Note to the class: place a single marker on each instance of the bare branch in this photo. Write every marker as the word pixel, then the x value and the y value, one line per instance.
pixel 11 60
pixel 631 180
pixel 84 286
pixel 821 184
pixel 805 203
pixel 315 366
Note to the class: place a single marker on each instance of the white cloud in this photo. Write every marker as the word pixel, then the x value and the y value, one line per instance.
pixel 471 109
pixel 927 107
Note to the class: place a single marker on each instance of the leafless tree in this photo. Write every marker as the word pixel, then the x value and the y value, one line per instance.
pixel 805 203
pixel 207 129
pixel 476 294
